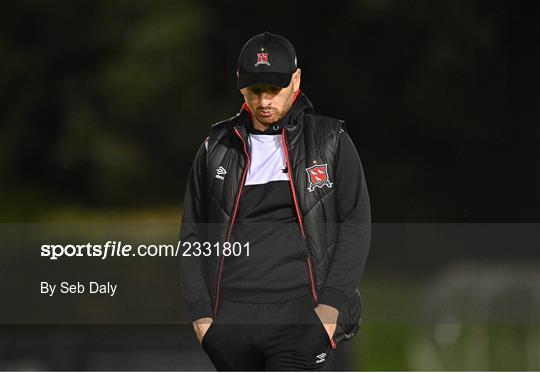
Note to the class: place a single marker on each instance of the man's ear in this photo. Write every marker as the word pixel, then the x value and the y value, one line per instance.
pixel 297 79
pixel 240 90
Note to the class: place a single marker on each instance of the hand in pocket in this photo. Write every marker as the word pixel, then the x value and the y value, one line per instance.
pixel 328 316
pixel 201 327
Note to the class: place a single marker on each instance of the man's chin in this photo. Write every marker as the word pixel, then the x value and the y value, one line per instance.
pixel 268 120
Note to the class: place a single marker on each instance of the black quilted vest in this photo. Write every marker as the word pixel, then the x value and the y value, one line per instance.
pixel 309 139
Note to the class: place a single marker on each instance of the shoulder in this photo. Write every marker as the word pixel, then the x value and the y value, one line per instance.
pixel 322 128
pixel 224 126
pixel 222 132
pixel 317 121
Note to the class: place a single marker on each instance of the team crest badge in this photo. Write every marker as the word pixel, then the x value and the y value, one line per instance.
pixel 262 59
pixel 318 177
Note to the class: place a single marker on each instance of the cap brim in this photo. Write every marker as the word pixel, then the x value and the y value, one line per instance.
pixel 277 79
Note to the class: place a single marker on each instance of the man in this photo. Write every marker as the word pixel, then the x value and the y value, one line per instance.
pixel 284 186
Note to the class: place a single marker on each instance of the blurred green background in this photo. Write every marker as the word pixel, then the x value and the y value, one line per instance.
pixel 104 103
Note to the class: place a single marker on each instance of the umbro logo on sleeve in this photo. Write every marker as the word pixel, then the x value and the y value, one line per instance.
pixel 220 172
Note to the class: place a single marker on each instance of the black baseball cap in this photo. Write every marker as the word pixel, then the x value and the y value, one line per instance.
pixel 266 58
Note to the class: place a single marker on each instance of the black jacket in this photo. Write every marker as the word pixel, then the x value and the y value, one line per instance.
pixel 333 211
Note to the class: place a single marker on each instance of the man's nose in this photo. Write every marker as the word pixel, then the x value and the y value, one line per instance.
pixel 265 99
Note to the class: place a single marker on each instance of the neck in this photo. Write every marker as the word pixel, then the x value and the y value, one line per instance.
pixel 261 126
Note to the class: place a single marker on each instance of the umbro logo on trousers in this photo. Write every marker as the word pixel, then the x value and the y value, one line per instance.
pixel 268 336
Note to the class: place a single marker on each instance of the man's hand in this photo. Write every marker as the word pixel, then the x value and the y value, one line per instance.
pixel 328 316
pixel 201 326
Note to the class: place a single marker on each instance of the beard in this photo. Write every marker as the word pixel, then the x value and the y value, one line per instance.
pixel 271 115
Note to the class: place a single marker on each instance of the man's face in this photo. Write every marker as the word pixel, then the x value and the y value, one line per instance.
pixel 269 103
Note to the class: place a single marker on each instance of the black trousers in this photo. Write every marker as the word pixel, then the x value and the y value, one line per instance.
pixel 270 336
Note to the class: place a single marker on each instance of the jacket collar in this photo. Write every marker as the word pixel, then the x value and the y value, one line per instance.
pixel 301 104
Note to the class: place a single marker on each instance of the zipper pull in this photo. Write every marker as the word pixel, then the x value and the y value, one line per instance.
pixel 333 343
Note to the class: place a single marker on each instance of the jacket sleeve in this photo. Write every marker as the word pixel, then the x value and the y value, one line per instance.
pixel 192 229
pixel 354 235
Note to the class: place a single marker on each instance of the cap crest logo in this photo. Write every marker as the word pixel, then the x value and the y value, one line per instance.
pixel 262 59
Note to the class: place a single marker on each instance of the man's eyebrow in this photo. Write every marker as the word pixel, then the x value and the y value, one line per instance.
pixel 265 87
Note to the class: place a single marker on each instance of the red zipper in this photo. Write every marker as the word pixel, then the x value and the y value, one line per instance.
pixel 297 208
pixel 218 285
pixel 284 141
pixel 229 232
pixel 312 279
